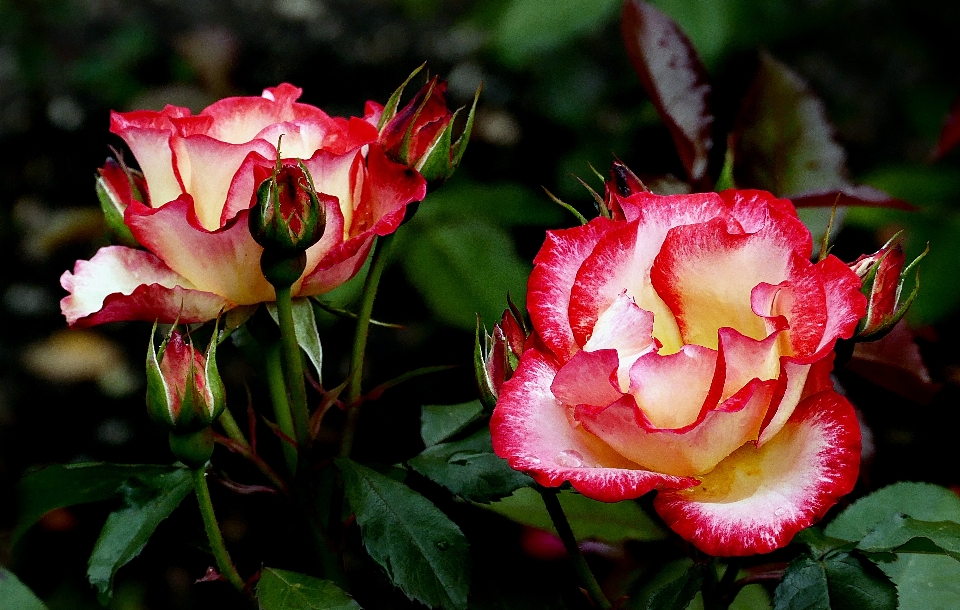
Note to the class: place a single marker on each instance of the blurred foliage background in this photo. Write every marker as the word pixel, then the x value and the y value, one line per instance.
pixel 558 95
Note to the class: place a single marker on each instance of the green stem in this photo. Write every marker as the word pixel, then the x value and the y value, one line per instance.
pixel 587 580
pixel 224 564
pixel 293 368
pixel 232 429
pixel 377 264
pixel 281 406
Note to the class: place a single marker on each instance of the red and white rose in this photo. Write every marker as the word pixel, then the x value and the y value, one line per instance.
pixel 199 178
pixel 686 346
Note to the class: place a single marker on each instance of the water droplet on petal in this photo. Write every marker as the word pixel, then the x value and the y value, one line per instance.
pixel 569 459
pixel 534 460
pixel 442 545
pixel 779 512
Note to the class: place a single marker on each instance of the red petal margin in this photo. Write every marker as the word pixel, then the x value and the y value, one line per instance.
pixel 534 433
pixel 554 272
pixel 756 500
pixel 121 283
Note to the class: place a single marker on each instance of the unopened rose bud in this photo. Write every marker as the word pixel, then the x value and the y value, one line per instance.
pixel 286 213
pixel 420 135
pixel 185 393
pixel 622 184
pixel 117 186
pixel 882 275
pixel 498 355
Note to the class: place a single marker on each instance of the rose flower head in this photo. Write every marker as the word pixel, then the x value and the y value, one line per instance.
pixel 188 252
pixel 686 348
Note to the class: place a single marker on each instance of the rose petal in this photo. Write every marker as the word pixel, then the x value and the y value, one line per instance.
pixel 757 499
pixel 121 283
pixel 239 119
pixel 533 432
pixel 588 378
pixel 673 390
pixel 548 290
pixel 225 262
pixel 688 451
pixel 148 135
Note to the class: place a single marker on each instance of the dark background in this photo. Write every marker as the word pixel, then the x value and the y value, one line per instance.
pixel 558 94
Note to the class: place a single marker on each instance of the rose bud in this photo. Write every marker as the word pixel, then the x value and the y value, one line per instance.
pixel 421 134
pixel 185 393
pixel 882 275
pixel 497 357
pixel 286 217
pixel 117 184
pixel 622 183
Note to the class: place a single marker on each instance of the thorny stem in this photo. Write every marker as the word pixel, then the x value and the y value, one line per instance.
pixel 224 564
pixel 587 580
pixel 293 369
pixel 377 264
pixel 281 406
pixel 257 461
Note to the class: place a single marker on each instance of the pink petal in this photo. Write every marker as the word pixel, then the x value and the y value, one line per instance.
pixel 673 390
pixel 688 451
pixel 239 119
pixel 589 378
pixel 845 304
pixel 121 283
pixel 706 275
pixel 744 359
pixel 387 190
pixel 207 168
pixel 225 262
pixel 535 434
pixel 757 499
pixel 555 269
pixel 148 135
pixel 627 329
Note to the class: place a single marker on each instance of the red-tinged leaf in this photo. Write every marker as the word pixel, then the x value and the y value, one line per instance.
pixel 950 134
pixel 894 363
pixel 862 196
pixel 674 78
pixel 783 142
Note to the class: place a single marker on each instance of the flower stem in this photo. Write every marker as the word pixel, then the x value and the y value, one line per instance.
pixel 377 264
pixel 224 564
pixel 281 405
pixel 587 580
pixel 232 429
pixel 293 368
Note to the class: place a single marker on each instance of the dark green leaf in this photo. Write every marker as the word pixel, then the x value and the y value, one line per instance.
pixel 305 327
pixel 470 469
pixel 63 485
pixel 679 592
pixel 440 422
pixel 903 534
pixel 856 584
pixel 15 595
pixel 462 268
pixel 820 544
pixel 147 502
pixel 611 522
pixel 918 500
pixel 283 590
pixel 422 551
pixel 804 586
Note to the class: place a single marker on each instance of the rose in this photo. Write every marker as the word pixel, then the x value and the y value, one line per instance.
pixel 188 211
pixel 686 346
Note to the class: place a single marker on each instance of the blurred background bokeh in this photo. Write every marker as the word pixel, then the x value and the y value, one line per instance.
pixel 559 95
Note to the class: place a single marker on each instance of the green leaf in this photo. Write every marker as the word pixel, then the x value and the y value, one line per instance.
pixel 147 502
pixel 611 522
pixel 440 422
pixel 463 268
pixel 113 214
pixel 284 590
pixel 923 581
pixel 919 500
pixel 526 31
pixel 804 586
pixel 305 327
pixel 470 469
pixel 857 584
pixel 15 595
pixel 903 534
pixel 752 597
pixel 678 593
pixel 63 485
pixel 422 551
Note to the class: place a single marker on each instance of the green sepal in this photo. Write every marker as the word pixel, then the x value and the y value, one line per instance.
pixel 390 108
pixel 158 394
pixel 211 376
pixel 282 269
pixel 404 152
pixel 435 164
pixel 488 396
pixel 113 211
pixel 460 146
